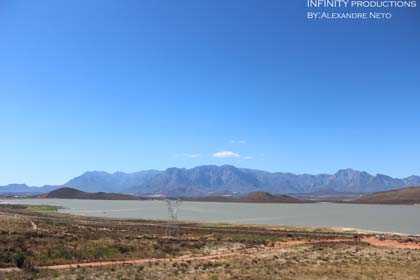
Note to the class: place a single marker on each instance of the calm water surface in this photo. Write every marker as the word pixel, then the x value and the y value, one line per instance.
pixel 391 218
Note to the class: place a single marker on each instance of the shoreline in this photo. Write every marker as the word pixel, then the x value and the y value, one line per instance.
pixel 5 199
pixel 95 213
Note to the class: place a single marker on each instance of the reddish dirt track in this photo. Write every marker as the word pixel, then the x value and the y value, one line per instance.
pixel 391 244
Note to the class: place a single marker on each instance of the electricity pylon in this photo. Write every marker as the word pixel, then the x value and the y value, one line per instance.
pixel 172 228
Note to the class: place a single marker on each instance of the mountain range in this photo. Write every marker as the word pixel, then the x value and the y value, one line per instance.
pixel 227 179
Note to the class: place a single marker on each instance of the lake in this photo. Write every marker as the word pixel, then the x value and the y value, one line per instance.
pixel 389 218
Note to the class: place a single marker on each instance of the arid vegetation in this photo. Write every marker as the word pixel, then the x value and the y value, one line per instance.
pixel 32 240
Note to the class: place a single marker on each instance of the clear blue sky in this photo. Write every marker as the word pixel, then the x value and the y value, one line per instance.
pixel 132 85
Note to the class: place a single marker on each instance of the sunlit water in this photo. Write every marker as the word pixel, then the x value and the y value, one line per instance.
pixel 390 218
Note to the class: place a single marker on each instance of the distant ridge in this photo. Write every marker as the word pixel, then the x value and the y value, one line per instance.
pixel 402 196
pixel 99 181
pixel 69 193
pixel 215 180
pixel 209 180
pixel 254 197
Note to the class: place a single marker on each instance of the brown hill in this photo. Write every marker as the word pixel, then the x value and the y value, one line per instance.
pixel 254 197
pixel 402 196
pixel 69 193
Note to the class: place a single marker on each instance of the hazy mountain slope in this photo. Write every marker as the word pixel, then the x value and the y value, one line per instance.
pixel 412 181
pixel 212 180
pixel 99 181
pixel 286 182
pixel 16 188
pixel 201 180
pixel 207 180
pixel 24 189
pixel 350 180
pixel 93 181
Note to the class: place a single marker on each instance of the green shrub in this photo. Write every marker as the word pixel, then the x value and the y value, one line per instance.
pixel 20 259
pixel 100 252
pixel 61 252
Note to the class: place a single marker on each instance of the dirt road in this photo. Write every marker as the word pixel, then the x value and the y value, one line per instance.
pixel 391 244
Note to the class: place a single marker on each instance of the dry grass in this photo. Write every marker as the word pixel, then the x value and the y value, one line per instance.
pixel 321 261
pixel 61 239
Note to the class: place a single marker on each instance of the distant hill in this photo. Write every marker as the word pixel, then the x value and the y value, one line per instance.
pixel 69 193
pixel 209 180
pixel 23 189
pixel 401 196
pixel 16 188
pixel 254 197
pixel 92 181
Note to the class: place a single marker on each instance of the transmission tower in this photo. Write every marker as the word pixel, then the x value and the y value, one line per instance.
pixel 172 228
